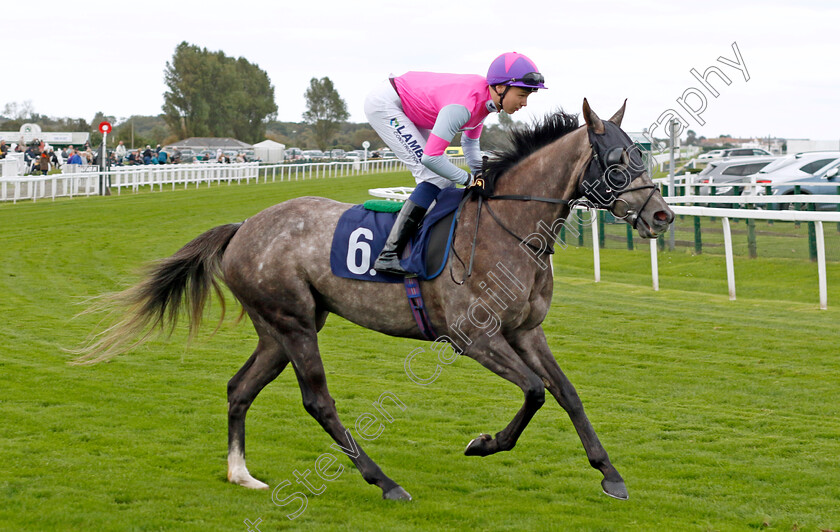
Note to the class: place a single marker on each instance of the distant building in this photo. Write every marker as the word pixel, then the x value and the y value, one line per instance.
pixel 30 132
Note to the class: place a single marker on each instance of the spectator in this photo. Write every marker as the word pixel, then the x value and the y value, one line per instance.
pixel 63 153
pixel 75 158
pixel 30 158
pixel 3 149
pixel 54 159
pixel 120 153
pixel 44 162
pixel 162 157
pixel 157 148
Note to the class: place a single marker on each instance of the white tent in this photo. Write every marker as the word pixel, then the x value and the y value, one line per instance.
pixel 269 151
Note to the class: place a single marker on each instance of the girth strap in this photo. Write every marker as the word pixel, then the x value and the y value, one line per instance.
pixel 418 308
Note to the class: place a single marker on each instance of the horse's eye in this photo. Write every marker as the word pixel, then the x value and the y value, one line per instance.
pixel 616 156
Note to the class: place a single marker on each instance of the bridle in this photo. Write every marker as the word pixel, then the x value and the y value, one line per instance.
pixel 615 163
pixel 596 189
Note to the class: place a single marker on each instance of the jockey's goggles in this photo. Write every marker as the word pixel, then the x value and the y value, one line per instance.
pixel 533 79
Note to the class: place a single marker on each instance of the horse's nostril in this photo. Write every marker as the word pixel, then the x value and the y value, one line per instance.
pixel 661 216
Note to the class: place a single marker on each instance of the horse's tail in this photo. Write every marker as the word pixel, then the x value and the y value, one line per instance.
pixel 183 280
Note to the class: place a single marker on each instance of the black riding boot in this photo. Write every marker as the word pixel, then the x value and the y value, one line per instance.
pixel 408 220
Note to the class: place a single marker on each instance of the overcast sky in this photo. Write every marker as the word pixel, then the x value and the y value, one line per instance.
pixel 76 59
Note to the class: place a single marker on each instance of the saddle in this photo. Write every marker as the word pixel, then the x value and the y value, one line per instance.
pixel 361 233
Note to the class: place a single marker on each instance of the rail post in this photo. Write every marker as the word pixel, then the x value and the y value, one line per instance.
pixel 821 265
pixel 730 263
pixel 580 232
pixel 596 252
pixel 812 236
pixel 602 216
pixel 654 264
pixel 698 241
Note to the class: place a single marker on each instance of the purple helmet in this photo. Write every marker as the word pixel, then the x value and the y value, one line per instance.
pixel 514 69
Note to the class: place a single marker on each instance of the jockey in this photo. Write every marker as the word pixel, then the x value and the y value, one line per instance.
pixel 417 115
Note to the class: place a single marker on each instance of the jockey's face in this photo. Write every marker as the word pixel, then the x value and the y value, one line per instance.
pixel 515 99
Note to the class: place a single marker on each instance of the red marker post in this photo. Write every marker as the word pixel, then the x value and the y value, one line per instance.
pixel 104 186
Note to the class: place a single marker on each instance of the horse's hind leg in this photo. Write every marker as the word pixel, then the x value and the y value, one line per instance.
pixel 265 364
pixel 533 348
pixel 302 347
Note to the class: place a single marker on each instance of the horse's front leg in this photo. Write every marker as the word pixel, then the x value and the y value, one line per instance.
pixel 533 348
pixel 495 354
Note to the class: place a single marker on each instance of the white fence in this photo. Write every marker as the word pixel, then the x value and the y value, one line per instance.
pixel 725 214
pixel 88 181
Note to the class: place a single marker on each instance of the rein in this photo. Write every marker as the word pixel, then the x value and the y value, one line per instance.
pixel 493 215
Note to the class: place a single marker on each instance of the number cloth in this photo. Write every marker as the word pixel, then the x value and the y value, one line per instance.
pixel 360 235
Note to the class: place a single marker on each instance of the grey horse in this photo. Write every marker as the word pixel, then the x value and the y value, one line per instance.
pixel 276 264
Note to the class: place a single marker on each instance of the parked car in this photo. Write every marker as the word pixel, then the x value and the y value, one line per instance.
pixel 386 154
pixel 714 154
pixel 732 171
pixel 293 154
pixel 313 155
pixel 799 160
pixel 744 152
pixel 337 153
pixel 814 172
pixel 355 154
pixel 185 155
pixel 454 151
pixel 206 156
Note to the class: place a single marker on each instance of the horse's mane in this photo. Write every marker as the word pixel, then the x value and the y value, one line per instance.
pixel 525 140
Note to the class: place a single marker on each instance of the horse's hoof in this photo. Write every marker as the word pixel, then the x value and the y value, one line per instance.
pixel 479 446
pixel 396 494
pixel 252 483
pixel 243 478
pixel 616 490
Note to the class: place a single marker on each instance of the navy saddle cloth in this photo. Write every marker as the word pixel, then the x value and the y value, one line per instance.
pixel 360 235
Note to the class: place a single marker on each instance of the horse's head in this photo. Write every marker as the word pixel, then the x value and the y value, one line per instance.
pixel 616 178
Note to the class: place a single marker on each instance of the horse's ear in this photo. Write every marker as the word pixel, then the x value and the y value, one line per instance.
pixel 592 120
pixel 619 115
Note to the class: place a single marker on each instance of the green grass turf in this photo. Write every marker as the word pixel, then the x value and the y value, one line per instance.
pixel 720 415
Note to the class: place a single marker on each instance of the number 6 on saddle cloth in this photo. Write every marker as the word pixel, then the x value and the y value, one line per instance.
pixel 361 233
